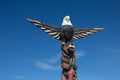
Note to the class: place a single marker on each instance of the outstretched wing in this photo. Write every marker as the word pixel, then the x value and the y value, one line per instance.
pixel 84 32
pixel 51 30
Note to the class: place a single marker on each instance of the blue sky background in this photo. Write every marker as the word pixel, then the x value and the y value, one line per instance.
pixel 27 53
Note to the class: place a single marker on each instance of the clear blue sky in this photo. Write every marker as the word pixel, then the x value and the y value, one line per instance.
pixel 27 53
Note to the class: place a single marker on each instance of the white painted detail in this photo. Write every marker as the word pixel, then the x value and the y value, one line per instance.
pixel 53 33
pixel 66 21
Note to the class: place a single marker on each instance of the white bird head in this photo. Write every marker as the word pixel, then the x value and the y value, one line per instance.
pixel 66 21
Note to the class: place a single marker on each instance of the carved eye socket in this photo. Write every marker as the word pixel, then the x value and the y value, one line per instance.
pixel 68 43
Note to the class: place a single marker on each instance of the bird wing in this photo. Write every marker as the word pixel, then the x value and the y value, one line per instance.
pixel 50 29
pixel 84 32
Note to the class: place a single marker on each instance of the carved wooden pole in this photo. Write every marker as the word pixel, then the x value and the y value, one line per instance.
pixel 68 62
pixel 66 34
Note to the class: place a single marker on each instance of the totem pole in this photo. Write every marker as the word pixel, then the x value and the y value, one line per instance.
pixel 66 34
pixel 68 60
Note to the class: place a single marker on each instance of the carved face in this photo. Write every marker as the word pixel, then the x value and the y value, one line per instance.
pixel 68 48
pixel 71 47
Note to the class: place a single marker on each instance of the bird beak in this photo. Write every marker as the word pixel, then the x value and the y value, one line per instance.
pixel 67 18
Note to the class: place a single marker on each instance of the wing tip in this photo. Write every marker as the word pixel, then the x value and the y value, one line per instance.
pixel 102 28
pixel 28 19
pixel 31 20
